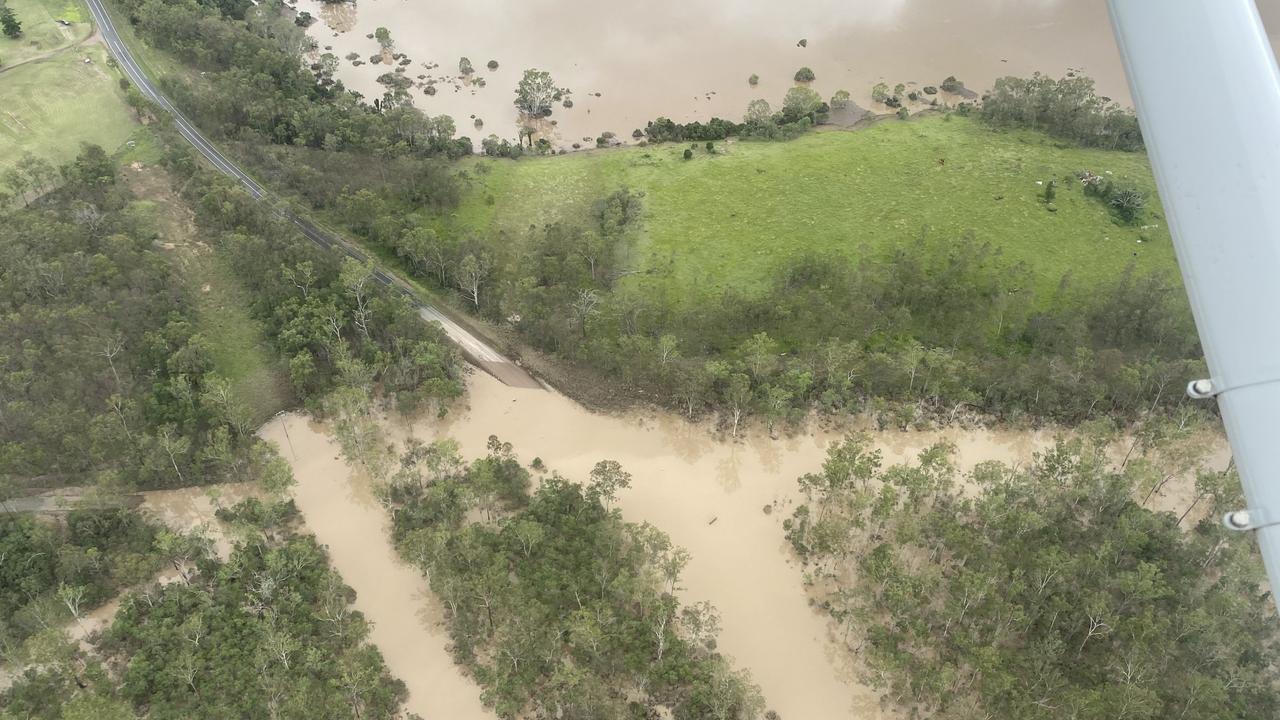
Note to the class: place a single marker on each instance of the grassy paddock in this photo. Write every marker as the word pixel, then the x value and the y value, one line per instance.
pixel 41 32
pixel 50 107
pixel 731 218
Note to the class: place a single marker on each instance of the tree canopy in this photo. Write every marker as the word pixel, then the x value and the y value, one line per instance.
pixel 1041 592
pixel 559 607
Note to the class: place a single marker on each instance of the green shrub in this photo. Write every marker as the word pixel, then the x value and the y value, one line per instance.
pixel 804 74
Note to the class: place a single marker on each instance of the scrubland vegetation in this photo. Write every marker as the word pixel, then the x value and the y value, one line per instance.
pixel 1005 261
pixel 1045 591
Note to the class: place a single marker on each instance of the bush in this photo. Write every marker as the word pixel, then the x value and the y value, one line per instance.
pixel 711 147
pixel 903 114
pixel 1129 203
pixel 754 80
pixel 637 133
pixel 688 154
pixel 804 74
pixel 840 100
pixel 464 66
pixel 492 65
pixel 952 85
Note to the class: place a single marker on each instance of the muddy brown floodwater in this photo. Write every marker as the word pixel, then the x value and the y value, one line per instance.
pixel 708 494
pixel 690 59
pixel 340 509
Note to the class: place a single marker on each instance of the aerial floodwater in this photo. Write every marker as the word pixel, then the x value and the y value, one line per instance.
pixel 691 59
pixel 708 494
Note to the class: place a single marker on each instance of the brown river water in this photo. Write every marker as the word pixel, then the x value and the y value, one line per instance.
pixel 706 492
pixel 690 59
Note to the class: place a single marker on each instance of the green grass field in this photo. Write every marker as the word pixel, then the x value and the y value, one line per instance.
pixel 730 219
pixel 41 32
pixel 51 106
pixel 236 340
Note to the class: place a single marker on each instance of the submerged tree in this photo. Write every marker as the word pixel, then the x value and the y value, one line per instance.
pixel 535 93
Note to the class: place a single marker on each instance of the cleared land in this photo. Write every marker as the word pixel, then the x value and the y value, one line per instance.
pixel 41 32
pixel 731 218
pixel 49 107
pixel 236 341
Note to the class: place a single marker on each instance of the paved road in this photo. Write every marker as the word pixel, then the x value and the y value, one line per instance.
pixel 475 349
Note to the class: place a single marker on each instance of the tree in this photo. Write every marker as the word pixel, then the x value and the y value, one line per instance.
pixel 535 92
pixel 880 92
pixel 584 307
pixel 758 113
pixel 754 80
pixel 800 102
pixel 359 281
pixel 737 397
pixel 9 23
pixel 464 66
pixel 471 274
pixel 383 36
pixel 840 100
pixel 804 75
pixel 607 478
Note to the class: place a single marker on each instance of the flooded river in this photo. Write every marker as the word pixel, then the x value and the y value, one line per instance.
pixel 690 59
pixel 339 507
pixel 707 494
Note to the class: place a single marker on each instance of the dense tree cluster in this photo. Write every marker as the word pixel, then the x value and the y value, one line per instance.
pixel 932 330
pixel 558 607
pixel 270 633
pixel 332 321
pixel 52 572
pixel 1044 592
pixel 1065 108
pixel 254 84
pixel 109 371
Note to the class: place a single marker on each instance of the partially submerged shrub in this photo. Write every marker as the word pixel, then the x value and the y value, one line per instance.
pixel 804 74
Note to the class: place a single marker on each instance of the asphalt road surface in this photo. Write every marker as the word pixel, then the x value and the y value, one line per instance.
pixel 475 349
